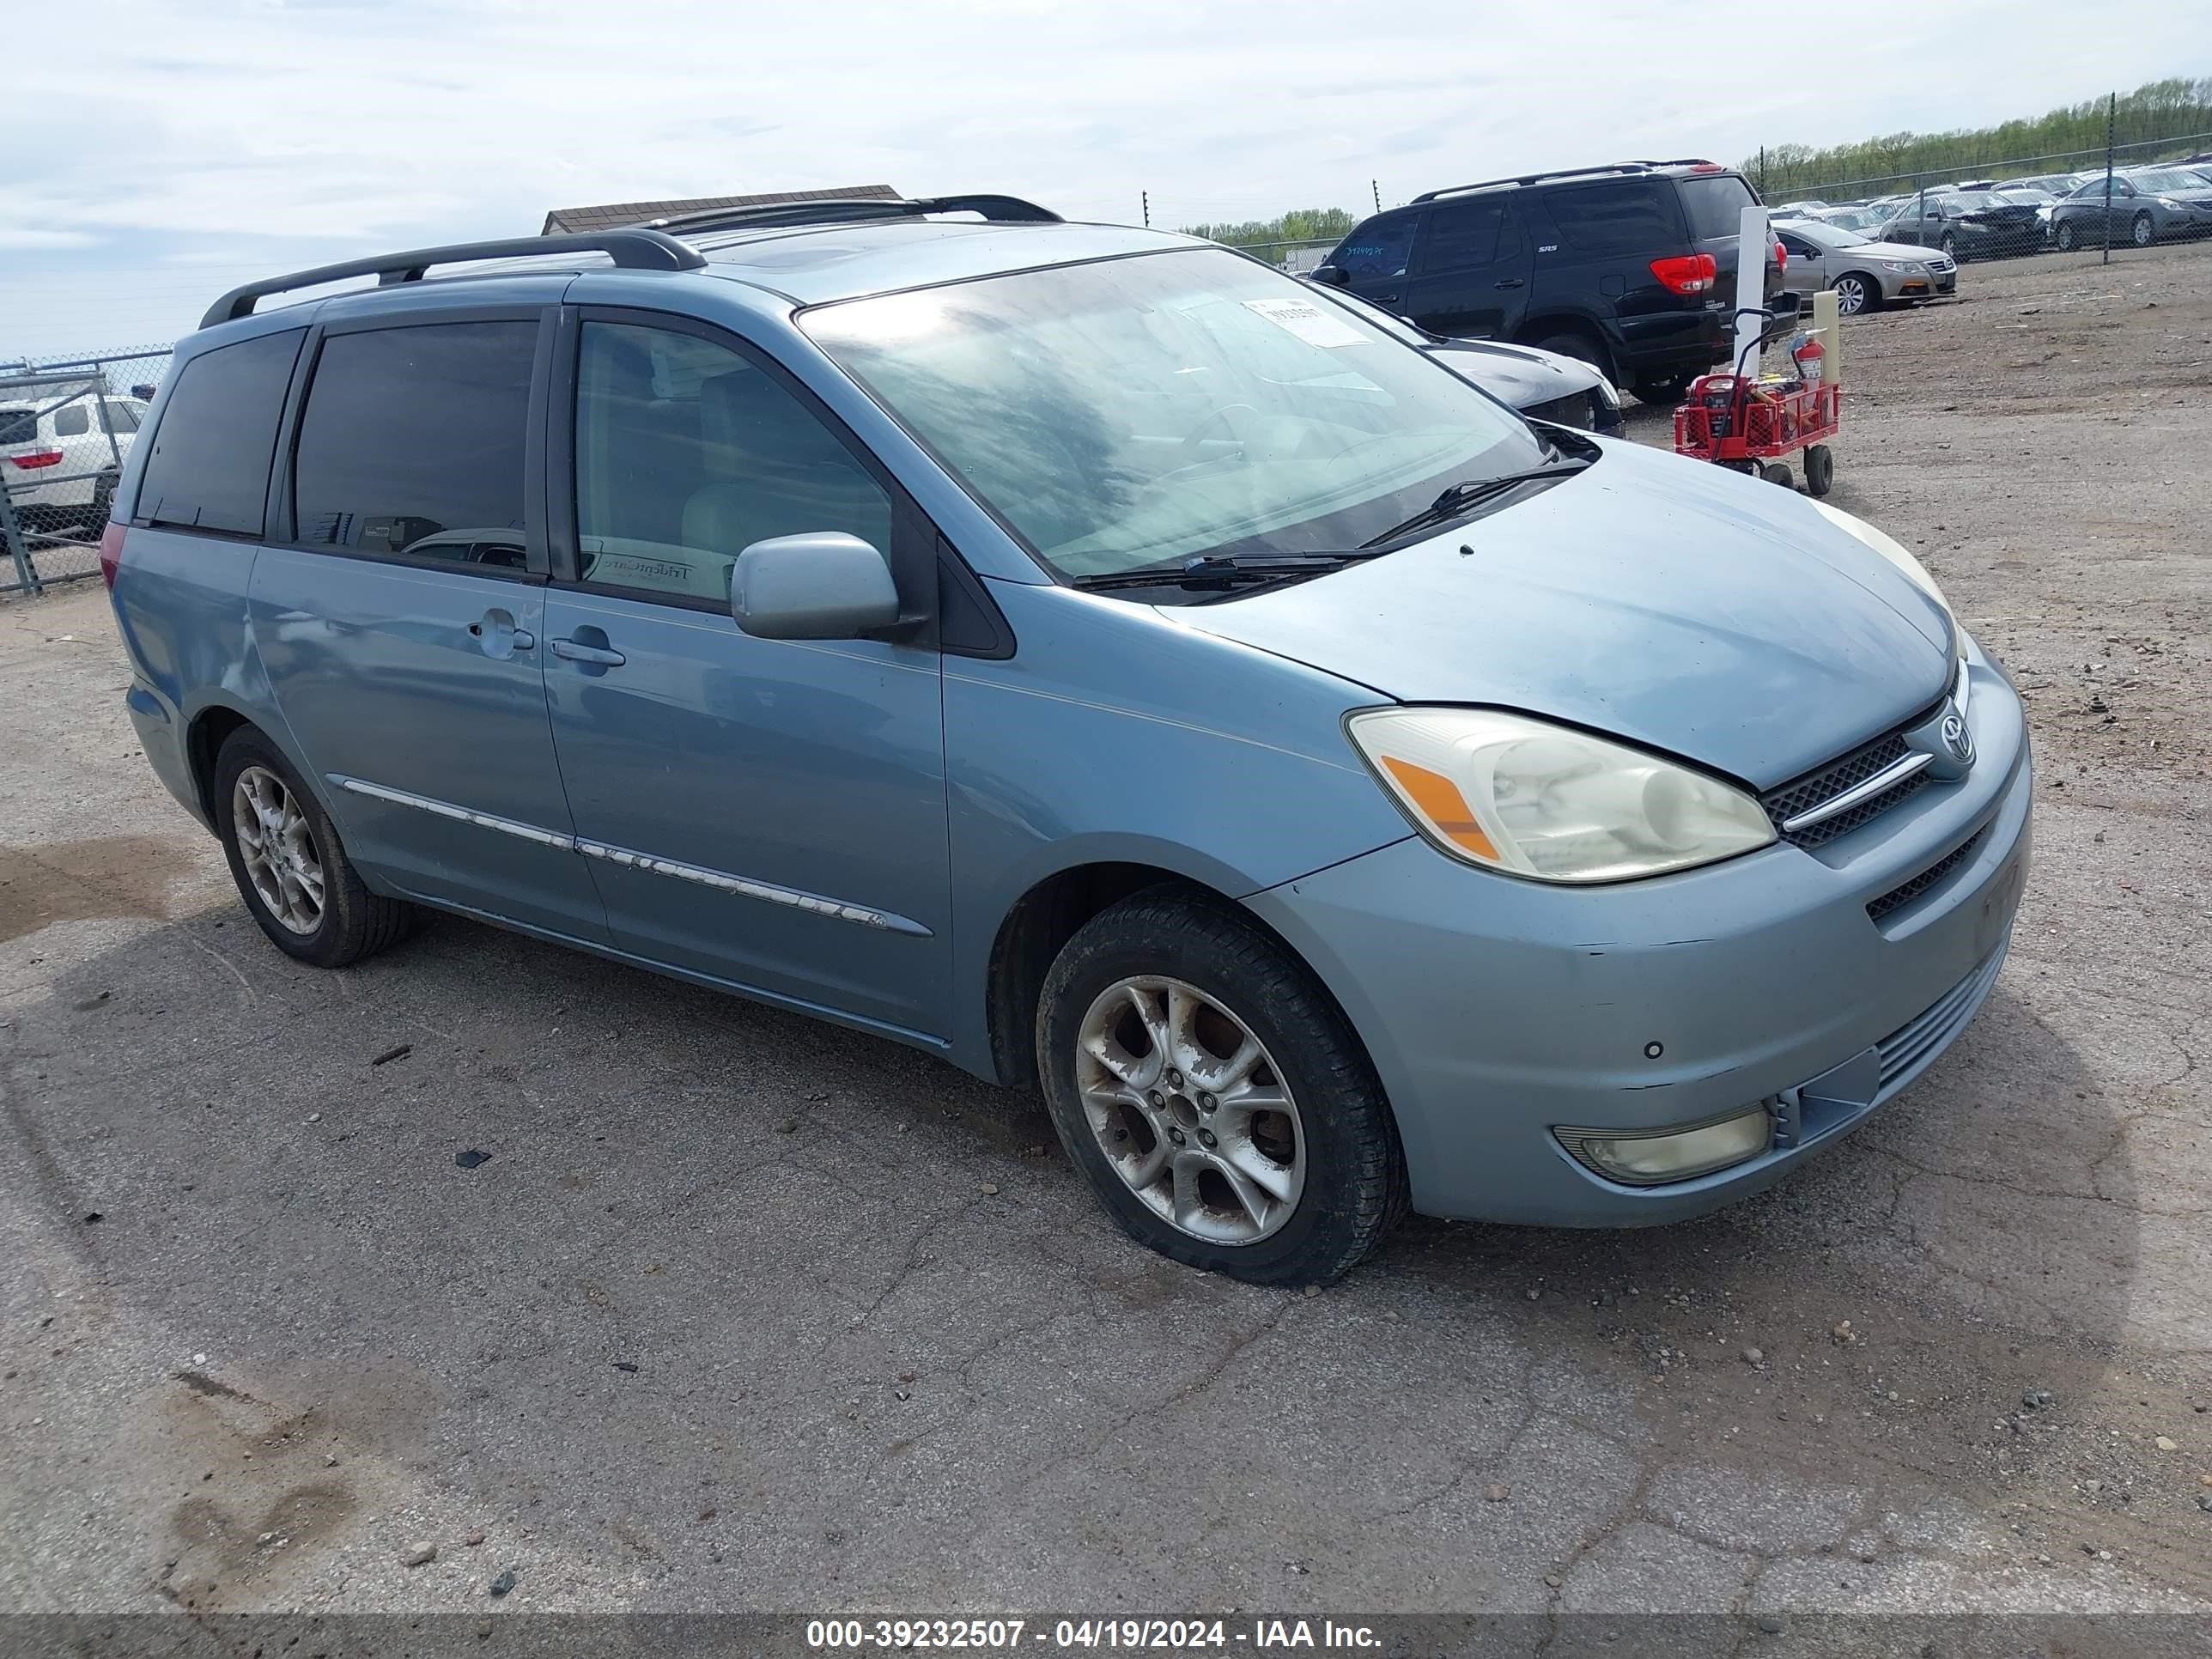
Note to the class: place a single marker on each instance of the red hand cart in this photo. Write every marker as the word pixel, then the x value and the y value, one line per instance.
pixel 1751 425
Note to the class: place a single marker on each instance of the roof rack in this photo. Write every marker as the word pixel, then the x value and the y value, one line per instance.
pixel 635 250
pixel 1565 173
pixel 1000 209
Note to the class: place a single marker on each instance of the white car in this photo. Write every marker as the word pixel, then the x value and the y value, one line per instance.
pixel 63 441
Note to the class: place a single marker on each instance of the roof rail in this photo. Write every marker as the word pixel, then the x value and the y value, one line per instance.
pixel 635 250
pixel 1004 209
pixel 1565 173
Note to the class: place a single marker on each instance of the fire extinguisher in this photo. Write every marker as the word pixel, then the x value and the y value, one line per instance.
pixel 1811 358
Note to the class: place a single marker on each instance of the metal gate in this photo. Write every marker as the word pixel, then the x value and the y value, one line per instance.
pixel 66 428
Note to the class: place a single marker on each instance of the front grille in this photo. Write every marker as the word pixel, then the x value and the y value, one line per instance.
pixel 1574 411
pixel 1820 787
pixel 1905 892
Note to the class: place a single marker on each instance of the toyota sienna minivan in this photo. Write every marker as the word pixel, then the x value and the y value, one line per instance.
pixel 1089 655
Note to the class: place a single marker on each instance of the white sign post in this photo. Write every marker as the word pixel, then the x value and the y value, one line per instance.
pixel 1750 245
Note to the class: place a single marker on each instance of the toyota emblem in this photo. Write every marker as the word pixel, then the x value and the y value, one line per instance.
pixel 1958 741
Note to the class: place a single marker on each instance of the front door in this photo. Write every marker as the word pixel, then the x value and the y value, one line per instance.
pixel 1471 276
pixel 771 813
pixel 400 628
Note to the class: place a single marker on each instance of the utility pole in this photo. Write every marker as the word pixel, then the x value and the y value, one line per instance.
pixel 2112 112
pixel 1376 186
pixel 1146 197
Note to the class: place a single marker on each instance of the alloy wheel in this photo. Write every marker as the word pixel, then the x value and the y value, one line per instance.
pixel 1190 1110
pixel 1850 296
pixel 277 849
pixel 2144 231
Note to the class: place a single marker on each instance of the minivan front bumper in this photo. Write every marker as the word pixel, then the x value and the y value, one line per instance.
pixel 1498 1011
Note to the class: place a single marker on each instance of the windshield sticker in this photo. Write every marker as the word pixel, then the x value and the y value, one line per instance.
pixel 1308 321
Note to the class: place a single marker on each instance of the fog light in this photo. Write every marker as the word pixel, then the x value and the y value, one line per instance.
pixel 1648 1157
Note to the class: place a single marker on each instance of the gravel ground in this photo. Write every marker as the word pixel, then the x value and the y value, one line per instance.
pixel 743 1312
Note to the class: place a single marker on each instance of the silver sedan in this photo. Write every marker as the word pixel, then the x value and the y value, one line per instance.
pixel 1866 276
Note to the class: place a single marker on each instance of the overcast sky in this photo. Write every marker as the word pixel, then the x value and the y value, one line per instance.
pixel 172 148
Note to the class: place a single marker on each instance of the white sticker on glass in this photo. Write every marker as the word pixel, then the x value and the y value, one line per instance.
pixel 1308 321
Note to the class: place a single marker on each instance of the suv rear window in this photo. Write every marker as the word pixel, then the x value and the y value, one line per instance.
pixel 413 431
pixel 1715 202
pixel 1633 215
pixel 19 426
pixel 210 468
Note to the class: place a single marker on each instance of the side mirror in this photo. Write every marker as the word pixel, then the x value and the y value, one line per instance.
pixel 1331 275
pixel 823 586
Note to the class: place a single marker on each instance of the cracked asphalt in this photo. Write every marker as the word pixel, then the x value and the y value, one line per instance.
pixel 732 1317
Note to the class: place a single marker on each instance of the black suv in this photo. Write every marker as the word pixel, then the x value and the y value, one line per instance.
pixel 1630 267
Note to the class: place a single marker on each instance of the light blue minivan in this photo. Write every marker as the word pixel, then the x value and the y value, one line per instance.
pixel 1092 656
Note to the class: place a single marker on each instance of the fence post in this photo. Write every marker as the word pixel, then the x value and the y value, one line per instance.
pixel 2112 112
pixel 11 529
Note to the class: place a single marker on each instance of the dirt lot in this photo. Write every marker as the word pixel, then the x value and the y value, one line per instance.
pixel 745 1312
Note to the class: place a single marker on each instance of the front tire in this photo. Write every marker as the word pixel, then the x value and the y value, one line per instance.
pixel 1214 1095
pixel 1666 391
pixel 290 867
pixel 2067 237
pixel 1856 295
pixel 2143 231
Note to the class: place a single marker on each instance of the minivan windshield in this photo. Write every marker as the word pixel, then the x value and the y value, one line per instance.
pixel 1145 410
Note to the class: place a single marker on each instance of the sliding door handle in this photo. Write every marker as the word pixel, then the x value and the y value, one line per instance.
pixel 578 651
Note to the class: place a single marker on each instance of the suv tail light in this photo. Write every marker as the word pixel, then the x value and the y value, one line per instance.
pixel 1686 273
pixel 38 458
pixel 111 553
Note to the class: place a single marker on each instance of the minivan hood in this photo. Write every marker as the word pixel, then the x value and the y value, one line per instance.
pixel 1671 602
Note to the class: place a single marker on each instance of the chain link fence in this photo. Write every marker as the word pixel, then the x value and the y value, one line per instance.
pixel 66 427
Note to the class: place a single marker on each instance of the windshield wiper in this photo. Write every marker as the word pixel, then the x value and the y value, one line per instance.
pixel 1458 499
pixel 1222 570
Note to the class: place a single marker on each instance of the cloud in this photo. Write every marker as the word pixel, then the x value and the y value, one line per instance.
pixel 303 132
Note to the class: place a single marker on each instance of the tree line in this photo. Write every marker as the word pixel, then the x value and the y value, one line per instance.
pixel 1298 225
pixel 2151 115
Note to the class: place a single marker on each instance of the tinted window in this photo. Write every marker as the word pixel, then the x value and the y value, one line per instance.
pixel 687 453
pixel 413 433
pixel 210 468
pixel 1377 248
pixel 119 417
pixel 1715 204
pixel 18 425
pixel 1462 235
pixel 1634 215
pixel 72 421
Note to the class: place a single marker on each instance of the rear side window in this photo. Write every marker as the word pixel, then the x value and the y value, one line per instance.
pixel 119 417
pixel 1715 204
pixel 1464 235
pixel 210 468
pixel 412 440
pixel 1634 215
pixel 1378 248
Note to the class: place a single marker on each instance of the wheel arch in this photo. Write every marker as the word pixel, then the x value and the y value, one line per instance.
pixel 1535 330
pixel 1038 925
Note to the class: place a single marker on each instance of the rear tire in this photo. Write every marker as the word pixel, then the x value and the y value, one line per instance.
pixel 290 867
pixel 1580 347
pixel 1145 1009
pixel 1856 294
pixel 1664 390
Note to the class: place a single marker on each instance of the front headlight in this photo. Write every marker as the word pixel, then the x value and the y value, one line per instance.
pixel 1608 392
pixel 1891 549
pixel 2168 201
pixel 1548 802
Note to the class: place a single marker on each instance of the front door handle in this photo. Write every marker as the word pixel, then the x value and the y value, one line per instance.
pixel 578 651
pixel 1510 281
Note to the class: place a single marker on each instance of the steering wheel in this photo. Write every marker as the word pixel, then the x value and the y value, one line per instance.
pixel 1212 417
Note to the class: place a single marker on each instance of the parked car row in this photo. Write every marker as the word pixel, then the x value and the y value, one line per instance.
pixel 1985 218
